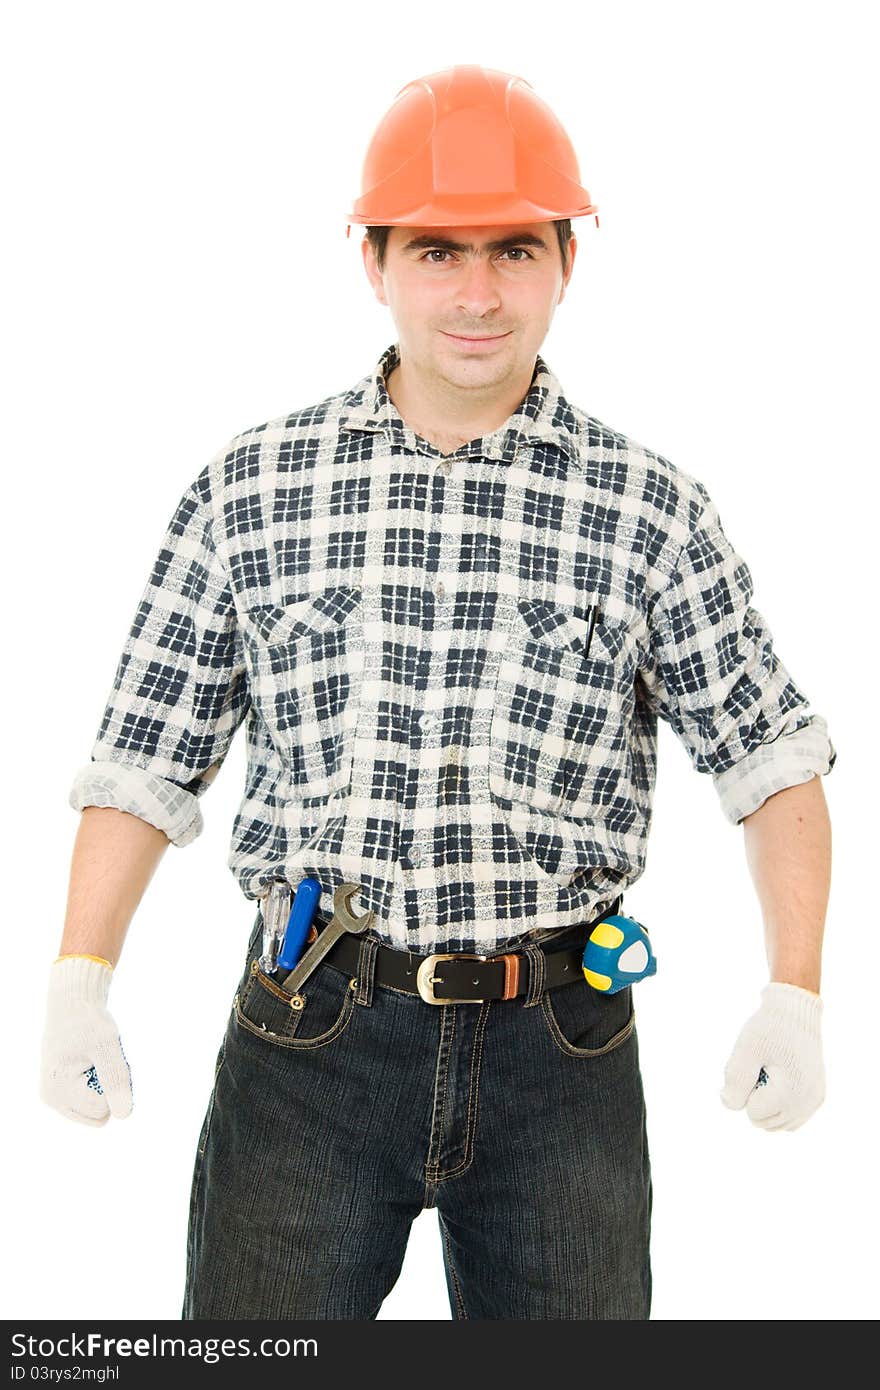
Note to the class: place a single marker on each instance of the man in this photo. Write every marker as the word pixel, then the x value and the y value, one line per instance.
pixel 451 607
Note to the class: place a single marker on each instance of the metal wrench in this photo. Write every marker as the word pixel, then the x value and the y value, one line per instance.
pixel 343 920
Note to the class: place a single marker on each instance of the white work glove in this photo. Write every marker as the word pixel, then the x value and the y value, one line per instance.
pixel 776 1069
pixel 83 1070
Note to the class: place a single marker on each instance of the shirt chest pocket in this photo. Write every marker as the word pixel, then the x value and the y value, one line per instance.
pixel 562 710
pixel 305 667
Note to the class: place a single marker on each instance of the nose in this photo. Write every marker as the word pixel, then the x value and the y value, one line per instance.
pixel 477 289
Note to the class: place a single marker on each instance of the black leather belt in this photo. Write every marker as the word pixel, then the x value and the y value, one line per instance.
pixel 461 977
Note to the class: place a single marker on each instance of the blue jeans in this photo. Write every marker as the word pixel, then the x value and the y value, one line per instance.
pixel 329 1129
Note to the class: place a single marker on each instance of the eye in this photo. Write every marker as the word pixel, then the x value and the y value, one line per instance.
pixel 442 251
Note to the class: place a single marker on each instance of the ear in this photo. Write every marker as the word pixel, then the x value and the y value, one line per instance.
pixel 374 275
pixel 572 252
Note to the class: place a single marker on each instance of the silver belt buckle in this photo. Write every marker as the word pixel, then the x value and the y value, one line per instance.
pixel 425 977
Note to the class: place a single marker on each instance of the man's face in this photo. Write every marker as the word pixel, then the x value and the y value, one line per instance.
pixel 468 310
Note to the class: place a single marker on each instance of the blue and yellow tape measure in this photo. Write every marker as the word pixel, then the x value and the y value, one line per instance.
pixel 618 952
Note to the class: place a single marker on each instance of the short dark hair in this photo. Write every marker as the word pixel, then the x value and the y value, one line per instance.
pixel 378 239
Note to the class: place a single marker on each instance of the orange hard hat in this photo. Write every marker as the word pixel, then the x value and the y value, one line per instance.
pixel 469 146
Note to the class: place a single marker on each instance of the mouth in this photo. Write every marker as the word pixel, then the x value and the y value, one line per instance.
pixel 475 341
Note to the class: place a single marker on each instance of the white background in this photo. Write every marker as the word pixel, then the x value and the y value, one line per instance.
pixel 177 270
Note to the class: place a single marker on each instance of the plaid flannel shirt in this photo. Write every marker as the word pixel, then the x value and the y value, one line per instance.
pixel 450 668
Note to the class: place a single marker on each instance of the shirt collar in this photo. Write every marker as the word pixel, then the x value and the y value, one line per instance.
pixel 543 416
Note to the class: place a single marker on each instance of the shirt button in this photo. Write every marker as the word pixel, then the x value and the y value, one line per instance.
pixel 415 857
pixel 440 591
pixel 427 722
pixel 444 467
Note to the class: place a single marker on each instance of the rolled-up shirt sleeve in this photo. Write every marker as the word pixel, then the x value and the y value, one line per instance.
pixel 713 675
pixel 180 689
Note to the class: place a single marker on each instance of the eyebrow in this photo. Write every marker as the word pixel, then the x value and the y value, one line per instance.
pixel 426 241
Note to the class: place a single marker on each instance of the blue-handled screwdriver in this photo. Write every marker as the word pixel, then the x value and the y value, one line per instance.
pixel 302 914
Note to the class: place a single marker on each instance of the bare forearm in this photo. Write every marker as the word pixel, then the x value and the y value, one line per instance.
pixel 788 850
pixel 114 857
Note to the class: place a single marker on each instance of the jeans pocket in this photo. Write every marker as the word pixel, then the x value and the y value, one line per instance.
pixel 316 1015
pixel 583 1022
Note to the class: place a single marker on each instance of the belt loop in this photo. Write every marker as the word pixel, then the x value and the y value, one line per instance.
pixel 366 970
pixel 535 987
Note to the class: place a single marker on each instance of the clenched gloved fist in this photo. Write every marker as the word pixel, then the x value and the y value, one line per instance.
pixel 776 1069
pixel 83 1070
